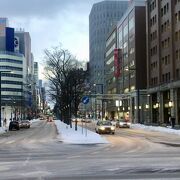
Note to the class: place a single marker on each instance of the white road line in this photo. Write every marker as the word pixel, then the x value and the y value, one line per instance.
pixel 26 161
pixel 71 157
pixel 9 142
pixel 95 152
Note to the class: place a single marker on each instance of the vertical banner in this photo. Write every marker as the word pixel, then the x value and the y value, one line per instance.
pixel 9 39
pixel 117 62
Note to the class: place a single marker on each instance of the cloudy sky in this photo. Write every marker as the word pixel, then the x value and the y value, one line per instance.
pixel 51 22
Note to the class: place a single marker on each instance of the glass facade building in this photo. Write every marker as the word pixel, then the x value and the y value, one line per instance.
pixel 102 17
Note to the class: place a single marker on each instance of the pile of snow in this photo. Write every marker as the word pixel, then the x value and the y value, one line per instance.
pixel 81 136
pixel 35 120
pixel 156 128
pixel 3 130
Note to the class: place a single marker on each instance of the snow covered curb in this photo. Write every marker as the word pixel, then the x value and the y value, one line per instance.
pixel 3 130
pixel 156 128
pixel 69 135
pixel 35 120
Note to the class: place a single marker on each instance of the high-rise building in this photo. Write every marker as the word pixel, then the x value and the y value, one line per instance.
pixel 126 62
pixel 36 73
pixel 15 56
pixel 163 57
pixel 11 68
pixel 102 17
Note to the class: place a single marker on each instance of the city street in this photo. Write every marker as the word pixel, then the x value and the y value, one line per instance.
pixel 36 153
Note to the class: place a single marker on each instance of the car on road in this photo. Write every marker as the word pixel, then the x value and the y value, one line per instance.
pixel 105 127
pixel 86 120
pixel 49 119
pixel 25 124
pixel 123 123
pixel 14 125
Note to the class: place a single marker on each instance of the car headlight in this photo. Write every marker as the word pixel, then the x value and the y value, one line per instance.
pixel 112 128
pixel 129 123
pixel 102 128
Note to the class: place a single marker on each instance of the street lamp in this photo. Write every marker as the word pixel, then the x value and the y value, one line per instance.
pixel 0 92
pixel 102 98
pixel 138 94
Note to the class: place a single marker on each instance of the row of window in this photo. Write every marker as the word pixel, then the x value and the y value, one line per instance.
pixel 154 65
pixel 153 35
pixel 166 60
pixel 152 5
pixel 11 61
pixel 10 97
pixel 165 9
pixel 11 82
pixel 11 68
pixel 153 20
pixel 177 1
pixel 11 75
pixel 165 43
pixel 177 17
pixel 177 35
pixel 166 77
pixel 154 81
pixel 111 38
pixel 153 51
pixel 165 26
pixel 177 54
pixel 107 15
pixel 11 89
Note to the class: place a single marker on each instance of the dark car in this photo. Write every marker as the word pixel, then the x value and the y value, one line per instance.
pixel 14 125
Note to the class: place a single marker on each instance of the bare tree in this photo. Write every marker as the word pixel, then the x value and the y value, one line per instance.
pixel 66 81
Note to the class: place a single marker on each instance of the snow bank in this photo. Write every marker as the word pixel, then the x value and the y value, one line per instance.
pixel 156 128
pixel 3 130
pixel 69 135
pixel 35 120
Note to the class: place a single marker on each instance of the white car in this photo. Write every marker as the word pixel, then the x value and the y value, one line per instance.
pixel 124 123
pixel 105 127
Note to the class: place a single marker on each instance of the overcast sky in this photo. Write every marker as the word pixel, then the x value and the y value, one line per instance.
pixel 51 22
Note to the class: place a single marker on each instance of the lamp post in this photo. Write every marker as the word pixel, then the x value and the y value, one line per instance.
pixel 102 99
pixel 0 92
pixel 138 94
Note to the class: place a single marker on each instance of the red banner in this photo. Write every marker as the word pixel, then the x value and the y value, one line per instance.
pixel 117 62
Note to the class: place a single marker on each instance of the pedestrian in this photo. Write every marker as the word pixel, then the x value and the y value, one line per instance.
pixel 173 122
pixel 5 122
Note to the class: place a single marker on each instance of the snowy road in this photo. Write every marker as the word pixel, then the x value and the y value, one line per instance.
pixel 36 153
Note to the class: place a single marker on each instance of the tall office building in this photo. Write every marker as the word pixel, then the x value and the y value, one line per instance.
pixel 36 73
pixel 126 62
pixel 102 17
pixel 163 22
pixel 15 56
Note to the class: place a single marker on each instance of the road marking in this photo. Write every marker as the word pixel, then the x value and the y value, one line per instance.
pixel 73 157
pixel 26 161
pixel 9 142
pixel 95 152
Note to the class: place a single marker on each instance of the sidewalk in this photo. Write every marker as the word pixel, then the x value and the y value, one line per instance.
pixel 167 129
pixel 81 136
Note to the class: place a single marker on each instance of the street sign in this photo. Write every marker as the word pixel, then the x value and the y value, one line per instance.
pixel 85 99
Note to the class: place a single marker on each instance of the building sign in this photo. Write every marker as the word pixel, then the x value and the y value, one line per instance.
pixel 9 39
pixel 16 44
pixel 117 62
